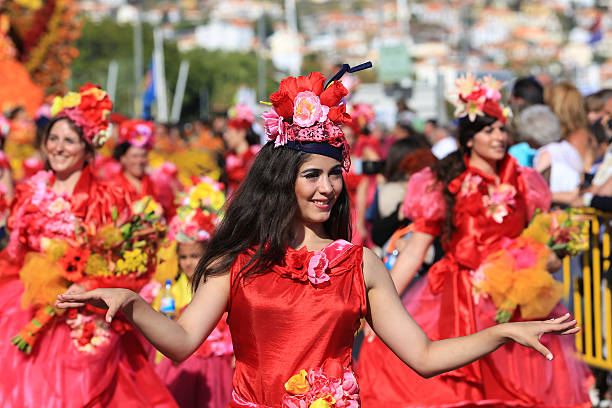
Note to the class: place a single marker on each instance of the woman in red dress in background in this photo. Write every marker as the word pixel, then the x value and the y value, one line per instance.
pixel 242 145
pixel 76 359
pixel 479 197
pixel 295 289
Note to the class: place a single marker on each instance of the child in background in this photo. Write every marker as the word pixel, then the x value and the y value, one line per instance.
pixel 205 379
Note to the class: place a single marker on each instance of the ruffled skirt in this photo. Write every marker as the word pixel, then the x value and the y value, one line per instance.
pixel 512 376
pixel 56 374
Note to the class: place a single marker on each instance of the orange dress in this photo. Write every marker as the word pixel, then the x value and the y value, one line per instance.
pixel 299 318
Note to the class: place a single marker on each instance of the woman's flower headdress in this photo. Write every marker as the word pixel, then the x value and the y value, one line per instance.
pixel 138 133
pixel 196 218
pixel 307 113
pixel 479 97
pixel 89 109
pixel 240 117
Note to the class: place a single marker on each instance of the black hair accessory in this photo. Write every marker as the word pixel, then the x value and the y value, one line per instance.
pixel 347 68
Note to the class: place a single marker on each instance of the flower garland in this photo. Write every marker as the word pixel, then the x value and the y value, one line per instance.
pixel 316 389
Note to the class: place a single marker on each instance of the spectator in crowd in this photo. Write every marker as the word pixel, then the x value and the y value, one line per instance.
pixel 526 92
pixel 536 126
pixel 568 159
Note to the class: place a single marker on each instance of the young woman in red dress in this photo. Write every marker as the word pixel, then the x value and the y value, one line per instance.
pixel 478 199
pixel 295 289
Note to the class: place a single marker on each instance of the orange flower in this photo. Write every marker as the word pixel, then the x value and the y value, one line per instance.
pixel 298 384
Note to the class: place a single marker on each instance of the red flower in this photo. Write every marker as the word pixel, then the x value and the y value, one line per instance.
pixel 313 82
pixel 83 341
pixel 333 94
pixel 297 259
pixel 73 263
pixel 72 313
pixel 338 114
pixel 493 109
pixel 119 326
pixel 283 104
pixel 88 329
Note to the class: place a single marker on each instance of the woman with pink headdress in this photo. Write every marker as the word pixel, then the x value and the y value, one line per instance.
pixel 242 145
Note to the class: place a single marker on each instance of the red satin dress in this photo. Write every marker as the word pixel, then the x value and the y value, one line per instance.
pixel 56 373
pixel 443 306
pixel 292 319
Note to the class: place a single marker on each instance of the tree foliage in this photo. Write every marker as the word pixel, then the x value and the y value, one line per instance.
pixel 214 73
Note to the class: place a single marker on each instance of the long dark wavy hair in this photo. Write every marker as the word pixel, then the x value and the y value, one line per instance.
pixel 260 215
pixel 451 167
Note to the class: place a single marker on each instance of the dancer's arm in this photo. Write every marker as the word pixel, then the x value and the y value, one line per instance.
pixel 410 259
pixel 175 339
pixel 392 323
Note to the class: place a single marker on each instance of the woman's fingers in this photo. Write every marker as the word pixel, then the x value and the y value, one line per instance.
pixel 68 305
pixel 542 350
pixel 110 313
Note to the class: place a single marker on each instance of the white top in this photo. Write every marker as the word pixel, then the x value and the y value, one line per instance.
pixel 566 166
pixel 444 147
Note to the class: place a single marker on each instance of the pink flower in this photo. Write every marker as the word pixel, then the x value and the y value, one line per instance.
pixel 349 383
pixel 273 124
pixel 308 109
pixel 316 268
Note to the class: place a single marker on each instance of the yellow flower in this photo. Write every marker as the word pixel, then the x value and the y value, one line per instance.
pixel 109 236
pixel 325 402
pixel 58 105
pixel 53 247
pixel 96 266
pixel 298 384
pixel 71 100
pixel 134 261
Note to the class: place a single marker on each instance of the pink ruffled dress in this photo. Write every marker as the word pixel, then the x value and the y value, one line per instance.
pixel 487 210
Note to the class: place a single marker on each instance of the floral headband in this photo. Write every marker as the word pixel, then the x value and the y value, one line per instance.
pixel 307 113
pixel 240 117
pixel 89 109
pixel 196 218
pixel 478 97
pixel 139 133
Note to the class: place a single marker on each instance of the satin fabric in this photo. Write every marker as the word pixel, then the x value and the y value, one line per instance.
pixel 281 323
pixel 56 374
pixel 442 304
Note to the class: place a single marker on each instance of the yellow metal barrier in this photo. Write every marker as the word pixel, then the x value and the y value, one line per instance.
pixel 591 295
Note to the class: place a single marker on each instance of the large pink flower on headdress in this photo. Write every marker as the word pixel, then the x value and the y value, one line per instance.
pixel 308 109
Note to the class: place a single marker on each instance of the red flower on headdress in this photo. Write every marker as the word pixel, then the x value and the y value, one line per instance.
pixel 333 94
pixel 338 114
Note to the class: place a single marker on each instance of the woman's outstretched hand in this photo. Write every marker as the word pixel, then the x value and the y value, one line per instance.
pixel 113 299
pixel 529 333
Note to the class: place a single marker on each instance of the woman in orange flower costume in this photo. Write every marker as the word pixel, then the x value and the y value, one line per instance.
pixel 242 145
pixel 480 200
pixel 294 287
pixel 70 232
